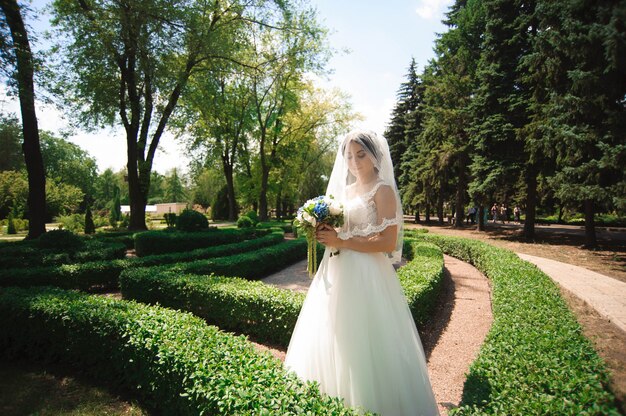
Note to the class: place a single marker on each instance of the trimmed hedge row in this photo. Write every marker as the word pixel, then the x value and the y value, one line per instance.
pixel 264 312
pixel 535 359
pixel 250 265
pixel 172 361
pixel 421 278
pixel 29 254
pixel 104 275
pixel 161 242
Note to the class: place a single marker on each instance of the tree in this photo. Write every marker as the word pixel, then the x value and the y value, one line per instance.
pixel 11 144
pixel 13 193
pixel 174 189
pixel 21 58
pixel 133 60
pixel 90 227
pixel 500 106
pixel 581 58
pixel 67 163
pixel 283 59
pixel 219 107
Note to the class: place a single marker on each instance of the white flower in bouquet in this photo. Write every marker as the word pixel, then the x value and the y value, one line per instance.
pixel 321 210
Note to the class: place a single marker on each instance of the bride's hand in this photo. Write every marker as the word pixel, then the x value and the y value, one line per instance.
pixel 327 235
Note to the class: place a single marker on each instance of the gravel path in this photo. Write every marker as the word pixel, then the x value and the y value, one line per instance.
pixel 453 337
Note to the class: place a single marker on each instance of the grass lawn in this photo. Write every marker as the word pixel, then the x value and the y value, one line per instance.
pixel 32 389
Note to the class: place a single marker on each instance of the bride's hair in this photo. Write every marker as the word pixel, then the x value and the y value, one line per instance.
pixel 366 140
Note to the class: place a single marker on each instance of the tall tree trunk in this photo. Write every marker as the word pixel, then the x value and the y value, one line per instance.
pixel 481 218
pixel 590 228
pixel 440 202
pixel 31 147
pixel 531 203
pixel 230 185
pixel 427 215
pixel 279 211
pixel 263 194
pixel 417 214
pixel 461 189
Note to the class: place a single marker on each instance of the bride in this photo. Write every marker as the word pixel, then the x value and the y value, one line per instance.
pixel 355 335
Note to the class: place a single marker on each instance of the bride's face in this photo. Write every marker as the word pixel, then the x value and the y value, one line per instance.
pixel 359 162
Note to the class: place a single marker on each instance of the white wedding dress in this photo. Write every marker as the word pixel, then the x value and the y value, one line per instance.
pixel 355 334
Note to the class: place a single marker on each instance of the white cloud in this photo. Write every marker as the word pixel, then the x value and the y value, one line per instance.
pixel 431 8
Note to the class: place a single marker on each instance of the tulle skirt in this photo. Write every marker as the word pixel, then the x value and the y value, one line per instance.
pixel 355 336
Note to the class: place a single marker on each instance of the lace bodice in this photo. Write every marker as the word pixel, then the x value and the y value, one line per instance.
pixel 361 217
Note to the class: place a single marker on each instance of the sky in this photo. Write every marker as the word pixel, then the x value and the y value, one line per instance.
pixel 381 37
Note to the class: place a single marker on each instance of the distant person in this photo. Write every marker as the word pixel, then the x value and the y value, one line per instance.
pixel 516 214
pixel 494 212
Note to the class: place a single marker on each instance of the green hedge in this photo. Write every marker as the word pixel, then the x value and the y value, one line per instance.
pixel 173 362
pixel 535 359
pixel 267 313
pixel 29 254
pixel 169 241
pixel 125 237
pixel 250 265
pixel 104 275
pixel 421 278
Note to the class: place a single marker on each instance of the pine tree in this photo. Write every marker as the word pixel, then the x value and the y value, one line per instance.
pixel 582 55
pixel 501 101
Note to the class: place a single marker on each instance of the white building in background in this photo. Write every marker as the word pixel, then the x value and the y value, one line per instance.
pixel 159 209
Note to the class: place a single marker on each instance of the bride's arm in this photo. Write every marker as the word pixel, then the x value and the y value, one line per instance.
pixel 384 241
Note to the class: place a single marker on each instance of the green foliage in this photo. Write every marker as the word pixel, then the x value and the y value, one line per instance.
pixel 73 222
pixel 170 219
pixel 13 192
pixel 249 265
pixel 60 239
pixel 11 143
pixel 535 359
pixel 171 361
pixel 191 220
pixel 11 225
pixel 97 274
pixel 159 242
pixel 244 222
pixel 90 227
pixel 29 254
pixel 262 311
pixel 219 208
pixel 115 208
pixel 253 216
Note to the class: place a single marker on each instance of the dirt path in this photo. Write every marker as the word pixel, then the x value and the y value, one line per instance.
pixel 453 337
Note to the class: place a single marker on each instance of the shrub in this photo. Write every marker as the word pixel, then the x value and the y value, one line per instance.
pixel 535 359
pixel 90 227
pixel 253 216
pixel 11 225
pixel 190 220
pixel 244 222
pixel 170 219
pixel 171 361
pixel 60 239
pixel 260 310
pixel 168 241
pixel 101 275
pixel 73 222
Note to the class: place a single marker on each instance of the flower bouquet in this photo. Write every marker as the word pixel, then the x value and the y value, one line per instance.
pixel 320 210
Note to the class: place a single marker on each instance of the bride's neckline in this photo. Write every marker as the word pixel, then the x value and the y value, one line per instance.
pixel 360 192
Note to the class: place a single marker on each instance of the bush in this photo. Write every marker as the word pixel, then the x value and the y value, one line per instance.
pixel 535 359
pixel 11 225
pixel 267 313
pixel 73 222
pixel 90 227
pixel 220 208
pixel 190 220
pixel 60 239
pixel 253 216
pixel 161 242
pixel 171 361
pixel 244 222
pixel 170 219
pixel 104 275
